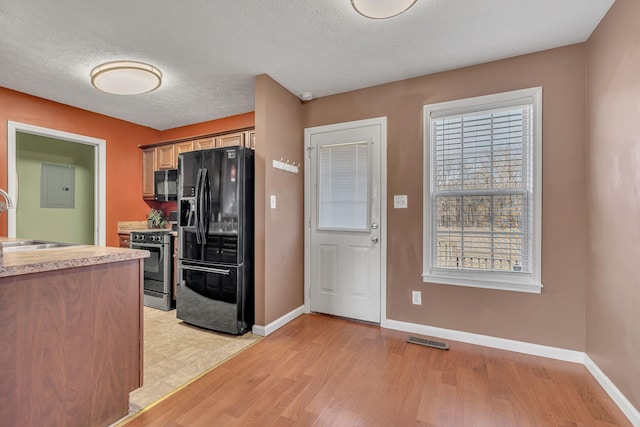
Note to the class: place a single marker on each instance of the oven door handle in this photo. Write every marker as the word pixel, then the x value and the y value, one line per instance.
pixel 206 269
pixel 161 247
pixel 146 245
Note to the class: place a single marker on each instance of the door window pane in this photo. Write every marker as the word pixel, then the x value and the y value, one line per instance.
pixel 343 181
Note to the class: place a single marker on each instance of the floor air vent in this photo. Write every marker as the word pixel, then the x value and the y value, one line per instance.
pixel 428 343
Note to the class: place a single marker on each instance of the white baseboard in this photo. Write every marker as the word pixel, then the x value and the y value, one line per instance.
pixel 263 331
pixel 527 348
pixel 489 341
pixel 623 403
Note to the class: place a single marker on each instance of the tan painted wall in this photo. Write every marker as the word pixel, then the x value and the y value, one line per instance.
pixel 557 316
pixel 613 166
pixel 279 232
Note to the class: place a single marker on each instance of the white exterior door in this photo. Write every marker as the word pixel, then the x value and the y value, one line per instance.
pixel 344 194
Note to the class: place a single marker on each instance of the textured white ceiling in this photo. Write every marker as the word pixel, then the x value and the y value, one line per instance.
pixel 211 50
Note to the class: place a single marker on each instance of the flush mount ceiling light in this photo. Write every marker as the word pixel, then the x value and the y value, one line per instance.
pixel 126 77
pixel 381 9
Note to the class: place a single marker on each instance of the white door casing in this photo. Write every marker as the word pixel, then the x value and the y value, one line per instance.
pixel 345 254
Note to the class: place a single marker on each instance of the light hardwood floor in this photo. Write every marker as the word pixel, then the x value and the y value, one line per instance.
pixel 319 370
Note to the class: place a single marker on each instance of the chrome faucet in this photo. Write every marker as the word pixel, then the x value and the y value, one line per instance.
pixel 9 203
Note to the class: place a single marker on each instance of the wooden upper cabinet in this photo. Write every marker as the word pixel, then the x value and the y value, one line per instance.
pixel 230 139
pixel 166 157
pixel 250 139
pixel 148 168
pixel 182 147
pixel 203 143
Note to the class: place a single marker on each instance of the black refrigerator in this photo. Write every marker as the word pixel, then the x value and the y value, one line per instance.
pixel 215 236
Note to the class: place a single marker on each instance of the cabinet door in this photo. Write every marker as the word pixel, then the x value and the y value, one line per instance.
pixel 182 147
pixel 230 140
pixel 124 240
pixel 165 157
pixel 250 139
pixel 148 168
pixel 203 143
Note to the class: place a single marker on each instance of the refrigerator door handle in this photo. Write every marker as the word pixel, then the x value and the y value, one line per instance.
pixel 202 206
pixel 206 269
pixel 197 207
pixel 206 192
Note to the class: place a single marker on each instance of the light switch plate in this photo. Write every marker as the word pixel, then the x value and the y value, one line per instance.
pixel 273 201
pixel 400 202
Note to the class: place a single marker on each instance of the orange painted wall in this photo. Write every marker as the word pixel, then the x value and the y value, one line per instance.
pixel 124 158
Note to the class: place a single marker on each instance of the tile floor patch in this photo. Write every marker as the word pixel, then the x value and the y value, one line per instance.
pixel 176 352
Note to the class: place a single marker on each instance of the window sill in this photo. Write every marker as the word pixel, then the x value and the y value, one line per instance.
pixel 530 287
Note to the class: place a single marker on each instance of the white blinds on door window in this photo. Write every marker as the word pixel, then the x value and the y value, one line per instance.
pixel 482 190
pixel 343 193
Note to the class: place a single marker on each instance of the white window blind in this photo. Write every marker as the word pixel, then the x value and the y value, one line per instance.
pixel 483 190
pixel 343 193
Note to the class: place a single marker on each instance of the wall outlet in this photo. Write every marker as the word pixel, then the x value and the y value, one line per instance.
pixel 416 297
pixel 273 201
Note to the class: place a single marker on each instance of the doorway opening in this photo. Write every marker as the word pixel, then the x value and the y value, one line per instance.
pixel 99 173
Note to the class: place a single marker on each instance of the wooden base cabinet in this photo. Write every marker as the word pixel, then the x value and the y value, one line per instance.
pixel 125 240
pixel 71 345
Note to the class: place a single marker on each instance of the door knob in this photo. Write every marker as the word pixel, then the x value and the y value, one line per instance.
pixel 374 239
pixel 374 226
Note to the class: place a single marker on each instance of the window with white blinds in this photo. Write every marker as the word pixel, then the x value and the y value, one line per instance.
pixel 482 192
pixel 343 186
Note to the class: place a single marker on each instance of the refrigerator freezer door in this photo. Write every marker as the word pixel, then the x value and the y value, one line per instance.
pixel 213 298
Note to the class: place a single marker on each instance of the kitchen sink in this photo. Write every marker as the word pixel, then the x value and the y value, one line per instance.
pixel 30 245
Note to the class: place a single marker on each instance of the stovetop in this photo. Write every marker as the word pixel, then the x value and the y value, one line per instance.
pixel 151 236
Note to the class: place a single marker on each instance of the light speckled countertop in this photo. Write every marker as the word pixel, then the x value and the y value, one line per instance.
pixel 39 260
pixel 126 227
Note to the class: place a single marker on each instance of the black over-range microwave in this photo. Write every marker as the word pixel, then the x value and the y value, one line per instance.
pixel 166 185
